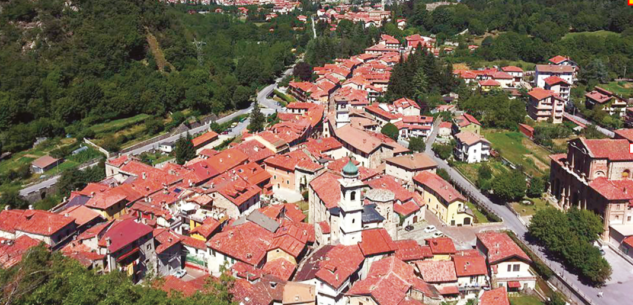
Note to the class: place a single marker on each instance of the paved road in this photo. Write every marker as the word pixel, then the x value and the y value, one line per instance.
pixel 262 98
pixel 616 289
pixel 604 131
pixel 49 182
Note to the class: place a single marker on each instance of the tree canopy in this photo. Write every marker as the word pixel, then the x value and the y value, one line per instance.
pixel 391 131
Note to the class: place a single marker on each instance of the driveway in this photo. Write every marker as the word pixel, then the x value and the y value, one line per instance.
pixel 463 237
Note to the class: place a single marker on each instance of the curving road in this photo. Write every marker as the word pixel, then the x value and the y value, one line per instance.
pixel 269 107
pixel 615 290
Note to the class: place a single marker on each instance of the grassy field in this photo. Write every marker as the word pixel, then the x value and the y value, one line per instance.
pixel 117 125
pixel 527 210
pixel 471 170
pixel 479 216
pixel 621 88
pixel 601 33
pixel 525 300
pixel 519 150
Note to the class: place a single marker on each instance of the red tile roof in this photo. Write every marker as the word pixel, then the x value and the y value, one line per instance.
pixel 437 271
pixel 194 242
pixel 45 161
pixel 280 268
pixel 9 219
pixel 255 151
pixel 208 227
pixel 612 189
pixel 81 253
pixel 499 247
pixel 323 187
pixel 441 245
pixel 389 183
pixel 171 283
pixel 290 161
pixel 376 241
pixel 325 227
pixel 341 263
pixel 470 265
pixel 42 222
pixel 511 69
pixel 558 59
pixel 410 250
pixel 123 233
pixel 612 149
pixel 389 281
pixel 406 209
pixel 207 137
pixel 554 69
pixel 497 296
pixel 626 133
pixel 252 172
pixel 264 292
pixel 166 239
pixel 227 159
pixel 233 188
pixel 489 82
pixel 438 186
pixel 553 80
pixel 405 103
pixel 81 214
pixel 11 251
pixel 247 242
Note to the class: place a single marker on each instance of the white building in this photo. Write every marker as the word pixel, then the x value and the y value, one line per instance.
pixel 471 147
pixel 542 72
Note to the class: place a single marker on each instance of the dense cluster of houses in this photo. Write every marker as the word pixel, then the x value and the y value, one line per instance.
pixel 369 15
pixel 228 210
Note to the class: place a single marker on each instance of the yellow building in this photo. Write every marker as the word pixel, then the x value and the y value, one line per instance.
pixel 466 122
pixel 443 200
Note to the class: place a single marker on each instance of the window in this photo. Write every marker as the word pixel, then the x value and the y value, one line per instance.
pixel 516 267
pixel 509 268
pixel 352 196
pixel 287 181
pixel 275 177
pixel 626 173
pixel 628 218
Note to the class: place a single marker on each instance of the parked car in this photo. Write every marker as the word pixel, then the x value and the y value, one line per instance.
pixel 225 132
pixel 234 124
pixel 408 228
pixel 430 229
pixel 180 273
pixel 438 234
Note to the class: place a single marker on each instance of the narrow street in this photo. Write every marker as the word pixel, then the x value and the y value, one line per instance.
pixel 615 290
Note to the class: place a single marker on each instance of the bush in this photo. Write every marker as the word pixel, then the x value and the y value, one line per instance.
pixel 417 144
pixel 443 151
pixel 391 131
pixel 509 187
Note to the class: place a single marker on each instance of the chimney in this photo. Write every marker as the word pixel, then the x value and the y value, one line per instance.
pixel 108 241
pixel 144 176
pixel 7 207
pixel 66 214
pixel 31 207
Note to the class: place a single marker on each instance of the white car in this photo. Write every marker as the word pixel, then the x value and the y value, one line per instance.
pixel 180 273
pixel 438 234
pixel 430 229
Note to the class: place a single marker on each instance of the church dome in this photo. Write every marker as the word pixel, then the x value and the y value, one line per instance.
pixel 350 169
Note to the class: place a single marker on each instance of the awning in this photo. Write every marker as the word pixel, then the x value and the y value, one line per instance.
pixel 126 255
pixel 514 284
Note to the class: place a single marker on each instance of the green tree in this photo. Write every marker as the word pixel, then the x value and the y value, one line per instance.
pixel 154 125
pixel 509 187
pixel 443 174
pixel 257 119
pixel 586 224
pixel 536 188
pixel 417 144
pixel 184 150
pixel 390 130
pixel 443 151
pixel 302 71
pixel 12 198
pixel 485 172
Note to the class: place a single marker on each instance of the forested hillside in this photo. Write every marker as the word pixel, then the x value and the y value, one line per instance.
pixel 532 31
pixel 68 66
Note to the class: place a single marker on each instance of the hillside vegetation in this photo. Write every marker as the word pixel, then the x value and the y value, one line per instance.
pixel 68 67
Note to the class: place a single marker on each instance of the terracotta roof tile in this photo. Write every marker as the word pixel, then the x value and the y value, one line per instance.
pixel 497 296
pixel 499 247
pixel 11 251
pixel 441 245
pixel 410 250
pixel 437 271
